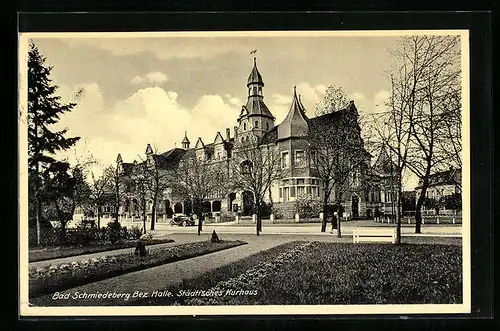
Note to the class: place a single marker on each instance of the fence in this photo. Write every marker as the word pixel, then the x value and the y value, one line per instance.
pixel 80 236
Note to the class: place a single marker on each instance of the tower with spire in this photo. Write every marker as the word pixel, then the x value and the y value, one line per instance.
pixel 185 142
pixel 255 118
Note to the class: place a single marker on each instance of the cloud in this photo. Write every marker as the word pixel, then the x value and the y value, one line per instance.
pixel 380 98
pixel 310 95
pixel 136 80
pixel 152 77
pixel 150 115
pixel 232 100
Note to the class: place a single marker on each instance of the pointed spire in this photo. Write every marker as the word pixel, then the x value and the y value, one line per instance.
pixel 119 158
pixel 185 142
pixel 255 76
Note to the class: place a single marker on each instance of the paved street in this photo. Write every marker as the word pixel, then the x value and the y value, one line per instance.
pixel 448 230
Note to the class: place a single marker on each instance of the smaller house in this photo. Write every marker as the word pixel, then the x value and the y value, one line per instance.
pixel 443 185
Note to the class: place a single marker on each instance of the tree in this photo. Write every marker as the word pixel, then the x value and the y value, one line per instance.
pixel 335 99
pixel 433 66
pixel 65 188
pixel 337 153
pixel 44 110
pixel 117 181
pixel 197 180
pixel 255 168
pixel 155 179
pixel 100 189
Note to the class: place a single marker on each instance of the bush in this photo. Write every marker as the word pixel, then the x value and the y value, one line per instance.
pixel 115 232
pixel 307 207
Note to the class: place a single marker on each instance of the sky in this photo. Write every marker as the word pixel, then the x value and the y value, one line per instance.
pixel 139 90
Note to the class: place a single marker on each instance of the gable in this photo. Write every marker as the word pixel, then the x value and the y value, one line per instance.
pixel 218 138
pixel 199 143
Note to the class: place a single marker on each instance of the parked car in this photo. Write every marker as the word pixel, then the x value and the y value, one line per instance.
pixel 182 220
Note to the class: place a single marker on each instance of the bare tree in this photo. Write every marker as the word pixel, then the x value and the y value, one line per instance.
pixel 100 188
pixel 337 153
pixel 434 63
pixel 155 179
pixel 198 179
pixel 422 126
pixel 115 176
pixel 335 99
pixel 255 168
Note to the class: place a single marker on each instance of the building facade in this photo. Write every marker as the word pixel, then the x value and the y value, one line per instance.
pixel 372 187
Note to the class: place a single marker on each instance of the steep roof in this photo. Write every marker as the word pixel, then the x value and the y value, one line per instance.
pixel 255 76
pixel 270 136
pixel 256 106
pixel 383 164
pixel 127 168
pixel 185 140
pixel 170 159
pixel 295 123
pixel 448 177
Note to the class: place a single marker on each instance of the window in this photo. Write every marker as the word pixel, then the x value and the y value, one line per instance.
pixel 244 126
pixel 292 191
pixel 256 124
pixel 267 125
pixel 281 193
pixel 308 189
pixel 300 190
pixel 255 90
pixel 299 159
pixel 300 181
pixel 284 160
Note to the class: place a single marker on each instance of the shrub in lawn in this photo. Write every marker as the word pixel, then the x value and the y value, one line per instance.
pixel 114 231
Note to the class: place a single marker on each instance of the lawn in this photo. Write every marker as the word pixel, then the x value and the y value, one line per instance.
pixel 65 276
pixel 325 273
pixel 50 253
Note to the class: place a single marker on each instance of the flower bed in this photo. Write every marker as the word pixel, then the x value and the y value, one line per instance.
pixel 65 276
pixel 60 252
pixel 335 274
pixel 246 282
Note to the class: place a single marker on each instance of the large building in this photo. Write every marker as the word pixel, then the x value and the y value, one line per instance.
pixel 371 188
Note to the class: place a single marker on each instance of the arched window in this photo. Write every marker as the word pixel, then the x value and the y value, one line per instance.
pixel 256 124
pixel 244 126
pixel 267 125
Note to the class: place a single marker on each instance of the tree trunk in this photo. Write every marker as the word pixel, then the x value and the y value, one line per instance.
pixel 198 211
pixel 37 213
pixel 398 213
pixel 325 213
pixel 339 234
pixel 144 216
pixel 418 212
pixel 98 214
pixel 258 220
pixel 153 216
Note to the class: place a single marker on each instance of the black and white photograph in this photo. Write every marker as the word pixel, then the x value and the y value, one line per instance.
pixel 242 172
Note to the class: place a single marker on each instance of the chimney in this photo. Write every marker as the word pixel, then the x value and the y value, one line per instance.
pixel 235 132
pixel 228 134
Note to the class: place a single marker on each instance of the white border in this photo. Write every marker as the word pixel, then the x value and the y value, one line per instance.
pixel 26 310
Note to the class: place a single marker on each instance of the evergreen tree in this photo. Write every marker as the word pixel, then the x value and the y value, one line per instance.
pixel 44 110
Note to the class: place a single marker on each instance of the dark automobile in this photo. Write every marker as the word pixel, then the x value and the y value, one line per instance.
pixel 183 220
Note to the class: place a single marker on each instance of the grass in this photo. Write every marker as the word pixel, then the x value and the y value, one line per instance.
pixel 44 254
pixel 326 273
pixel 60 280
pixel 365 274
pixel 214 276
